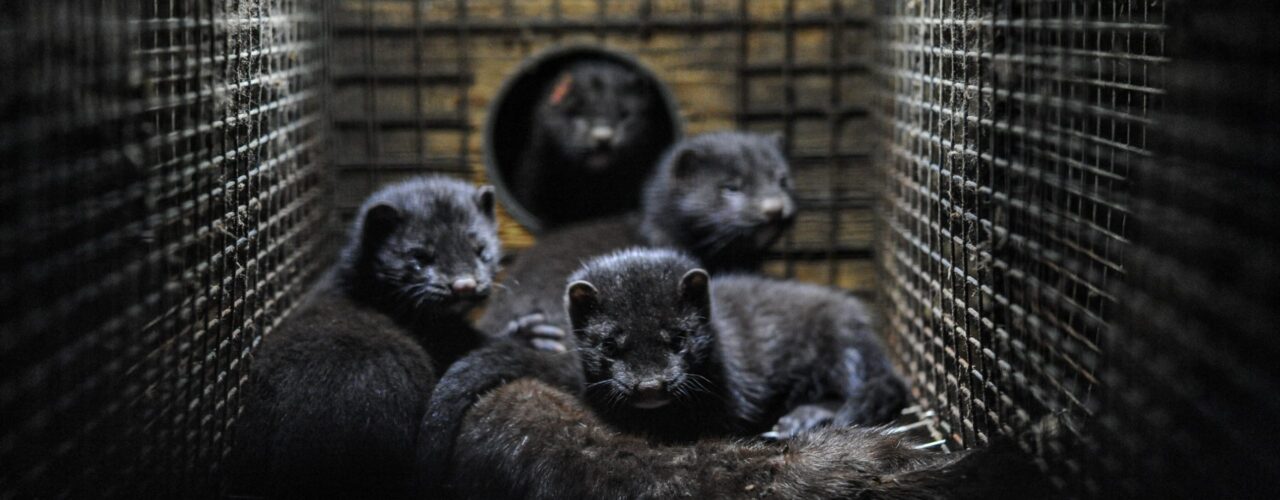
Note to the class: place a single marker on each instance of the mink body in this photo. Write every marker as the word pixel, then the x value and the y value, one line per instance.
pixel 335 396
pixel 522 432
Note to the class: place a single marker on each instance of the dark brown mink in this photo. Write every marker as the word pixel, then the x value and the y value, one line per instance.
pixel 521 432
pixel 670 353
pixel 335 396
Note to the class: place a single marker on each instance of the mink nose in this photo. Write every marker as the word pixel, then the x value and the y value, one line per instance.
pixel 464 287
pixel 773 208
pixel 601 134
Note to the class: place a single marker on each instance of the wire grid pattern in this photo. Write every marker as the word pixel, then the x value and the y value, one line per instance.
pixel 162 200
pixel 1191 408
pixel 413 80
pixel 1009 135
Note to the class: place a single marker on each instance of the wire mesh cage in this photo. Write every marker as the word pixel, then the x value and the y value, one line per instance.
pixel 1051 225
pixel 1011 130
pixel 1188 408
pixel 162 201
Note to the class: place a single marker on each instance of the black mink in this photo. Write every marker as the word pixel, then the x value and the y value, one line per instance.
pixel 672 354
pixel 593 141
pixel 335 396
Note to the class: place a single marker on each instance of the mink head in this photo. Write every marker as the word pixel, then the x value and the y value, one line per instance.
pixel 425 247
pixel 597 112
pixel 641 319
pixel 720 193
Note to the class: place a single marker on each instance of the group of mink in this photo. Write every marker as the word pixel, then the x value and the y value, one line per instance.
pixel 629 356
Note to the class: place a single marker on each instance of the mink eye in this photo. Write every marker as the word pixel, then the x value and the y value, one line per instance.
pixel 677 341
pixel 480 250
pixel 785 182
pixel 731 187
pixel 609 346
pixel 422 257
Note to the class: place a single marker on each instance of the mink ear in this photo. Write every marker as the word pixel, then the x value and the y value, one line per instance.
pixel 685 163
pixel 484 200
pixel 562 88
pixel 695 291
pixel 379 221
pixel 582 300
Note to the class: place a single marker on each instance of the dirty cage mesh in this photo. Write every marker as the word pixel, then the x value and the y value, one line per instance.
pixel 173 165
pixel 1011 132
pixel 162 199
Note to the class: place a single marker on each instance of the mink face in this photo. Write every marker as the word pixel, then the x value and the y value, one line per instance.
pixel 641 349
pixel 725 197
pixel 424 248
pixel 595 113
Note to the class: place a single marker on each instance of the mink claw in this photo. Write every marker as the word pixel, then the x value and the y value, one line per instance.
pixel 533 330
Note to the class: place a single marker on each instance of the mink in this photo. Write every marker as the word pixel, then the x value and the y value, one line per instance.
pixel 511 425
pixel 672 354
pixel 335 395
pixel 594 138
pixel 723 197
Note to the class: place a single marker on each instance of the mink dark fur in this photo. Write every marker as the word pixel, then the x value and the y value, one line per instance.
pixel 671 354
pixel 335 396
pixel 724 197
pixel 592 143
pixel 521 433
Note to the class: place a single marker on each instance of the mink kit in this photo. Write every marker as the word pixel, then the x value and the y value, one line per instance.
pixel 334 397
pixel 574 133
pixel 672 354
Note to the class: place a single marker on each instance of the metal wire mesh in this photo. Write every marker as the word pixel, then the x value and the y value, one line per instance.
pixel 1190 408
pixel 161 200
pixel 1009 133
pixel 413 80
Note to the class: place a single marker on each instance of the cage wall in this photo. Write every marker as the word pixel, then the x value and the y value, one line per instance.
pixel 1009 134
pixel 1190 383
pixel 414 79
pixel 162 195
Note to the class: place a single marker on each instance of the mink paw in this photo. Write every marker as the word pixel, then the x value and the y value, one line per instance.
pixel 534 330
pixel 801 419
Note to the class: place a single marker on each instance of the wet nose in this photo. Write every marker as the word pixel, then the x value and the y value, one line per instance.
pixel 773 208
pixel 601 134
pixel 464 287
